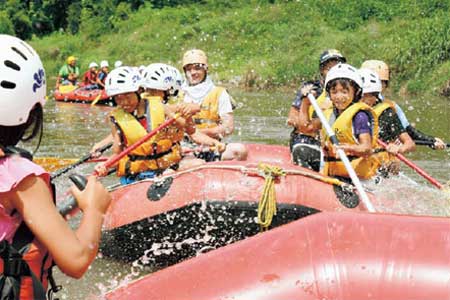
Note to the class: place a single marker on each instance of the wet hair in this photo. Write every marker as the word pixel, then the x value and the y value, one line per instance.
pixel 11 135
pixel 345 83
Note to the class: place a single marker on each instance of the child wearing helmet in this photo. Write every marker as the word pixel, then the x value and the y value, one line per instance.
pixel 137 114
pixel 101 77
pixel 391 130
pixel 33 232
pixel 69 73
pixel 215 118
pixel 354 123
pixel 90 77
pixel 382 69
pixel 304 142
pixel 390 127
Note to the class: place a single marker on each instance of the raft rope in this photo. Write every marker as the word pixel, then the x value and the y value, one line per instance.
pixel 267 206
pixel 249 171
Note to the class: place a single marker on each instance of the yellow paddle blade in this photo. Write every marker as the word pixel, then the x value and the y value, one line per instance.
pixel 67 88
pixel 96 99
pixel 53 163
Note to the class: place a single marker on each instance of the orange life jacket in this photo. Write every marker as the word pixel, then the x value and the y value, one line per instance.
pixel 159 152
pixel 208 116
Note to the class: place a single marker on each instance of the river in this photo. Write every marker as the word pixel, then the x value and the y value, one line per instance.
pixel 71 129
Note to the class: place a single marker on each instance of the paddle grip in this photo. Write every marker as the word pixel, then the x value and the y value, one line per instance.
pixel 71 203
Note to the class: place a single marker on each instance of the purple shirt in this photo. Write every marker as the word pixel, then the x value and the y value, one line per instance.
pixel 361 123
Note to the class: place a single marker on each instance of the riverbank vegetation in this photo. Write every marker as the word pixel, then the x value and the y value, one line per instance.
pixel 256 44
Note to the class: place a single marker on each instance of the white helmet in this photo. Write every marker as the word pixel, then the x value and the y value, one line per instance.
pixel 104 63
pixel 195 56
pixel 378 66
pixel 179 79
pixel 142 68
pixel 118 63
pixel 22 80
pixel 371 81
pixel 122 80
pixel 93 65
pixel 344 71
pixel 159 77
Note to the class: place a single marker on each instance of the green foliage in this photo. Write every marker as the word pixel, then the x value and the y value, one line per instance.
pixel 22 25
pixel 259 43
pixel 74 17
pixel 6 26
pixel 172 3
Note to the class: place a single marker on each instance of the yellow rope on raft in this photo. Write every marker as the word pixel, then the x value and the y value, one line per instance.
pixel 267 206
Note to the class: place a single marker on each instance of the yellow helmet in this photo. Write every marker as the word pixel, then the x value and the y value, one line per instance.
pixel 71 59
pixel 378 66
pixel 195 56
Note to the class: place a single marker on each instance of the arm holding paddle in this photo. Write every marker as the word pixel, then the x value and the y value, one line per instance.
pixel 404 145
pixel 433 142
pixel 305 123
pixel 185 111
pixel 415 168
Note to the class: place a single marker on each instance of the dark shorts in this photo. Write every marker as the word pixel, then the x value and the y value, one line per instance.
pixel 305 151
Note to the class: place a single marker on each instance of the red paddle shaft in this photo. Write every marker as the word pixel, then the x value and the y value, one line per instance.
pixel 413 166
pixel 114 159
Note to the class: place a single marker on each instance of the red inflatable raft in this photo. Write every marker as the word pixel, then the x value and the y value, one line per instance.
pixel 351 256
pixel 82 95
pixel 211 206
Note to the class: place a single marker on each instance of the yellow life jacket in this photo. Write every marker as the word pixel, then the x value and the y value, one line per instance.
pixel 379 152
pixel 324 103
pixel 382 106
pixel 208 116
pixel 364 166
pixel 159 152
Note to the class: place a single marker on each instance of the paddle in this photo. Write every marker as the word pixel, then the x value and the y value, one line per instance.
pixel 428 143
pixel 71 203
pixel 418 170
pixel 342 155
pixel 96 99
pixel 52 164
pixel 79 162
pixel 67 88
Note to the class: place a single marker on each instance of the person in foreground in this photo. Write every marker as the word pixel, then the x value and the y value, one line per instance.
pixel 354 123
pixel 30 222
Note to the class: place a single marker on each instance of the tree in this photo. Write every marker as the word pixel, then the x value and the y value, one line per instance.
pixel 6 26
pixel 74 17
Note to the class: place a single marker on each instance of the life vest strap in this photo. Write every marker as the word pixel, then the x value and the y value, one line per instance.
pixel 334 159
pixel 149 157
pixel 12 150
pixel 13 263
